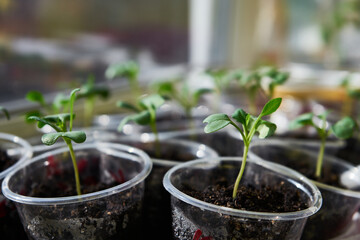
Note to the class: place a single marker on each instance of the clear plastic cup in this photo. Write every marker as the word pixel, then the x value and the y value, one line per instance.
pixel 19 150
pixel 112 213
pixel 193 217
pixel 339 203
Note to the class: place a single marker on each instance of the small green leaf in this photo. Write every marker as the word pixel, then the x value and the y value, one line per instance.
pixel 50 138
pixel 76 136
pixel 151 102
pixel 265 129
pixel 35 96
pixel 142 118
pixel 344 128
pixel 302 120
pixel 126 105
pixel 216 122
pixel 127 69
pixel 270 107
pixel 41 121
pixel 281 78
pixel 58 118
pixel 201 91
pixel 240 115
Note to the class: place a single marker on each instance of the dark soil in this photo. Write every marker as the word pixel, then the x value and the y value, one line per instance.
pixel 10 224
pixel 5 160
pixel 350 152
pixel 265 199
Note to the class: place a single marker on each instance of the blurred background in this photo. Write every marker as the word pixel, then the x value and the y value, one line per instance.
pixel 48 46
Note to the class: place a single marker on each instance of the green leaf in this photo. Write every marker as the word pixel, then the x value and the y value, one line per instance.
pixel 270 107
pixel 302 120
pixel 201 91
pixel 128 69
pixel 281 78
pixel 59 101
pixel 344 128
pixel 50 138
pixel 57 118
pixel 265 129
pixel 35 96
pixel 41 121
pixel 151 102
pixel 76 136
pixel 142 118
pixel 216 122
pixel 126 105
pixel 240 115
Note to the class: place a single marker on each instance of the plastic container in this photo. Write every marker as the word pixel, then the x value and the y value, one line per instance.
pixel 19 150
pixel 339 203
pixel 112 213
pixel 157 200
pixel 196 219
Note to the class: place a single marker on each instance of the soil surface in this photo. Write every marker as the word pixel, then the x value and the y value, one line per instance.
pixel 265 199
pixel 5 160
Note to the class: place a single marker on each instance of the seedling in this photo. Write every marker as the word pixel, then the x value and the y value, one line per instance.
pixel 89 91
pixel 342 129
pixel 59 104
pixel 249 125
pixel 129 70
pixel 261 81
pixel 145 114
pixel 184 97
pixel 60 124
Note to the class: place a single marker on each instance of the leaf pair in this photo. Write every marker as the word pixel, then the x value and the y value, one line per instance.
pixel 218 121
pixel 342 129
pixel 145 110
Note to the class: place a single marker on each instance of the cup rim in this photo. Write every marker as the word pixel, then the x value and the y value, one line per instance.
pixel 339 190
pixel 315 194
pixel 101 147
pixel 186 143
pixel 25 155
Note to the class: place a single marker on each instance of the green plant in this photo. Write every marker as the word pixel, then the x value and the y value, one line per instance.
pixel 180 92
pixel 145 114
pixel 129 70
pixel 59 123
pixel 89 91
pixel 262 80
pixel 59 104
pixel 249 125
pixel 342 129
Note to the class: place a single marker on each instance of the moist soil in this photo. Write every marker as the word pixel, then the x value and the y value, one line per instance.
pixel 265 199
pixel 10 224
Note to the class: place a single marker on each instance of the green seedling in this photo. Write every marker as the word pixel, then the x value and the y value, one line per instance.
pixel 89 91
pixel 5 112
pixel 129 70
pixel 248 126
pixel 221 82
pixel 186 98
pixel 145 114
pixel 59 123
pixel 59 104
pixel 261 81
pixel 342 129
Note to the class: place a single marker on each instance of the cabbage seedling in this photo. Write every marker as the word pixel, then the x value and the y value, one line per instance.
pixel 342 129
pixel 59 124
pixel 5 112
pixel 249 125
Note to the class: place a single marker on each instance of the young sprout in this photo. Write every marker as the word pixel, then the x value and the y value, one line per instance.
pixel 129 70
pixel 89 91
pixel 5 112
pixel 145 114
pixel 262 80
pixel 249 125
pixel 59 104
pixel 59 124
pixel 185 97
pixel 342 129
